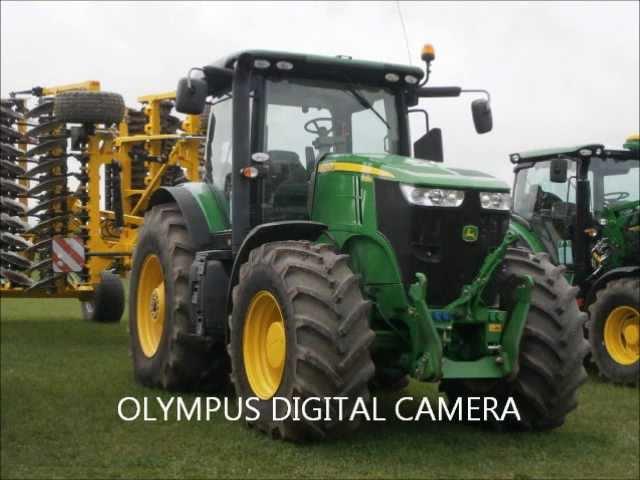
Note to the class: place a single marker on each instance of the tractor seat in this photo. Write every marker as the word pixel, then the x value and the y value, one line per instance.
pixel 290 185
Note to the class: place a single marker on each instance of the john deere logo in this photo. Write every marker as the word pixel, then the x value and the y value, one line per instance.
pixel 470 233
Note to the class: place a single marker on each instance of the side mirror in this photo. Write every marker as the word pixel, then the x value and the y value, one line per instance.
pixel 191 99
pixel 429 146
pixel 558 170
pixel 482 117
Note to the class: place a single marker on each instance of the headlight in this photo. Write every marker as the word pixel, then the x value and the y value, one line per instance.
pixel 495 200
pixel 432 197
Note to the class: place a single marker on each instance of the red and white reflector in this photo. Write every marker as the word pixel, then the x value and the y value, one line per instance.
pixel 67 254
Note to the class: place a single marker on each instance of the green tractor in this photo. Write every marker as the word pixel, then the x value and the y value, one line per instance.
pixel 581 205
pixel 320 258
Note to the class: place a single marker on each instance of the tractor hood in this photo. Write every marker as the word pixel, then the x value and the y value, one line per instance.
pixel 411 170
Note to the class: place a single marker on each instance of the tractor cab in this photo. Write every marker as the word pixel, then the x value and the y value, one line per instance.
pixel 274 116
pixel 571 198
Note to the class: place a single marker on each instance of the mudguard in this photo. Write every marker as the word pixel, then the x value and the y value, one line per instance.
pixel 621 272
pixel 272 232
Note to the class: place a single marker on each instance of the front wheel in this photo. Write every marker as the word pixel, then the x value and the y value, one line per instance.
pixel 300 328
pixel 614 330
pixel 552 349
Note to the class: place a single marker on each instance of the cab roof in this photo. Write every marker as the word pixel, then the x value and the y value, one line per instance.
pixel 340 68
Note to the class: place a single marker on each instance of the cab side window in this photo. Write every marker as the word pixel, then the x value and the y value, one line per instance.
pixel 219 148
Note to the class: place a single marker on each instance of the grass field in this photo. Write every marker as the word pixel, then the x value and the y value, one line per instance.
pixel 62 378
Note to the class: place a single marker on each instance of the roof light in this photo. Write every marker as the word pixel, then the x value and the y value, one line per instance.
pixel 260 157
pixel 261 63
pixel 284 65
pixel 392 77
pixel 428 53
pixel 410 79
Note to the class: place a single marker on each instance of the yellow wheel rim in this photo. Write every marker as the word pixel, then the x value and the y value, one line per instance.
pixel 622 335
pixel 150 308
pixel 264 344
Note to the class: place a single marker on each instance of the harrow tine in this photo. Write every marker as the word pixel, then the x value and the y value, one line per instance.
pixel 57 143
pixel 17 278
pixel 48 281
pixel 10 151
pixel 12 206
pixel 13 188
pixel 48 204
pixel 11 114
pixel 49 225
pixel 14 259
pixel 48 185
pixel 45 108
pixel 8 168
pixel 12 135
pixel 8 222
pixel 45 128
pixel 14 241
pixel 47 165
pixel 47 262
pixel 41 246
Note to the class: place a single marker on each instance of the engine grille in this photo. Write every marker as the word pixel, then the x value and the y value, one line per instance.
pixel 429 239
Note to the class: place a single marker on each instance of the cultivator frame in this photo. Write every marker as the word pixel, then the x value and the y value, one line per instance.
pixel 109 156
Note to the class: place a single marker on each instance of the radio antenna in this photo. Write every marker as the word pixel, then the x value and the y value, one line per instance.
pixel 404 31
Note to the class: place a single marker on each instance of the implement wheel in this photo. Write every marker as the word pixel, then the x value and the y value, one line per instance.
pixel 300 328
pixel 166 352
pixel 614 331
pixel 107 304
pixel 89 107
pixel 552 349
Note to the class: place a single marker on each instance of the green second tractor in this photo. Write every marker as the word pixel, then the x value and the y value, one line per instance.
pixel 326 253
pixel 581 205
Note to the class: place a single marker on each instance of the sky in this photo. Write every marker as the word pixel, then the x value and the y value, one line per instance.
pixel 558 73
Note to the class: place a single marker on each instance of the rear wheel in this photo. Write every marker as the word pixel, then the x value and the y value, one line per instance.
pixel 107 304
pixel 166 353
pixel 614 330
pixel 552 349
pixel 300 328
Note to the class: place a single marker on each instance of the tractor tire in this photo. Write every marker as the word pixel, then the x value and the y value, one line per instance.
pixel 89 107
pixel 107 304
pixel 552 349
pixel 166 352
pixel 300 328
pixel 613 329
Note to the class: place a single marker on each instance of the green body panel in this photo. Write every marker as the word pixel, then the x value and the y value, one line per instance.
pixel 214 213
pixel 344 199
pixel 419 172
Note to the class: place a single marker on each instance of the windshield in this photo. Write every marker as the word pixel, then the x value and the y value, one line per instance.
pixel 611 182
pixel 305 120
pixel 312 118
pixel 535 193
pixel 615 182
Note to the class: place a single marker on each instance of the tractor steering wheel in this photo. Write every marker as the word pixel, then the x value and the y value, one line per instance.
pixel 612 197
pixel 317 128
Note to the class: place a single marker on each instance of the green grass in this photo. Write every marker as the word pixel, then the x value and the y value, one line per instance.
pixel 62 378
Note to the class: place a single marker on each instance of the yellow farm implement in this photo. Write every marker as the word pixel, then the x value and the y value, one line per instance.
pixel 77 171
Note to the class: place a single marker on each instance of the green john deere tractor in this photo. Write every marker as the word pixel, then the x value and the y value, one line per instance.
pixel 581 205
pixel 320 257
